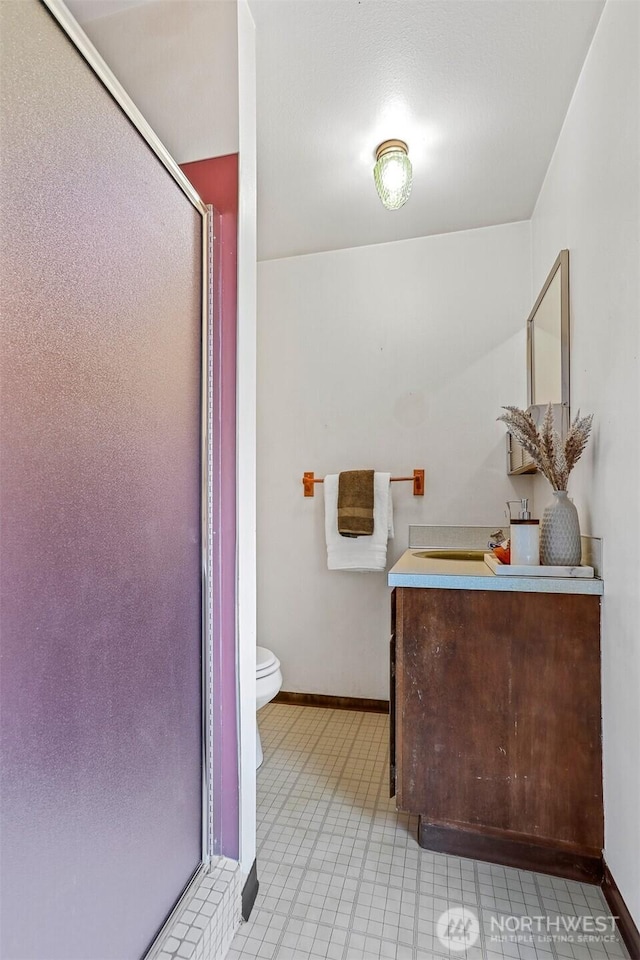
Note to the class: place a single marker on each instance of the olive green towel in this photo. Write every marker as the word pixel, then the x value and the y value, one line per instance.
pixel 355 503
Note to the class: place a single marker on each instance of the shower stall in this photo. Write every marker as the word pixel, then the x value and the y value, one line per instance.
pixel 105 610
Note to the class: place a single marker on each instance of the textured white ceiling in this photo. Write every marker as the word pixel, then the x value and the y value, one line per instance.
pixel 86 10
pixel 478 89
pixel 178 61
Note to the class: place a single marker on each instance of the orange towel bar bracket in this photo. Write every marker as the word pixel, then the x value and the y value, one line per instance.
pixel 310 479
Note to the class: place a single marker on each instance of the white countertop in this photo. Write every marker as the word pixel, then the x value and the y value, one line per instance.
pixel 412 571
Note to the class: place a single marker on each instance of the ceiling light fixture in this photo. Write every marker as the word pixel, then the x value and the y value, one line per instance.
pixel 393 173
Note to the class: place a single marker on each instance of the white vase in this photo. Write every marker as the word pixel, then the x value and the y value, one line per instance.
pixel 560 533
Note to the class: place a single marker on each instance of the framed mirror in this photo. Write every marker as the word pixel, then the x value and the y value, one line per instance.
pixel 547 360
pixel 548 341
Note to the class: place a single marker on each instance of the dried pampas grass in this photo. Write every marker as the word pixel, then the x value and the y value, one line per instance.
pixel 545 447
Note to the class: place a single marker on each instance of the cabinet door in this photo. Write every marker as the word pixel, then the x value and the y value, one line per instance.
pixel 454 673
pixel 498 719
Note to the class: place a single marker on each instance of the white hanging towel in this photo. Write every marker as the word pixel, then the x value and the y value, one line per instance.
pixel 360 554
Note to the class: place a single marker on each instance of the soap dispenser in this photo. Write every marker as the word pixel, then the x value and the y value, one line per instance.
pixel 525 536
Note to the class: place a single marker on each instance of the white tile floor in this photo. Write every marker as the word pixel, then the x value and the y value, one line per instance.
pixel 343 878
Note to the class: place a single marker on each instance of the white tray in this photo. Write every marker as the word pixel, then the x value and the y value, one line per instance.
pixel 509 570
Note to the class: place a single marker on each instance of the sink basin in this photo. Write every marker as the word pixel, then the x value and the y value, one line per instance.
pixel 450 554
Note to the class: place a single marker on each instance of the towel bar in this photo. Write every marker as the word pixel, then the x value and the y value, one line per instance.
pixel 309 479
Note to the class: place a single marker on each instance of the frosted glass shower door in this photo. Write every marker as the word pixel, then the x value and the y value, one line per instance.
pixel 101 592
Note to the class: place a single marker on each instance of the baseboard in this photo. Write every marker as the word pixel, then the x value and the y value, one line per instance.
pixel 250 891
pixel 334 703
pixel 523 853
pixel 626 925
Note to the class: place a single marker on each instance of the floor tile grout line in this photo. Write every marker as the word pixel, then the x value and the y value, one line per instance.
pixel 283 733
pixel 554 952
pixel 416 916
pixel 286 912
pixel 282 736
pixel 364 858
pixel 319 830
pixel 294 783
pixel 301 772
pixel 383 778
pixel 483 939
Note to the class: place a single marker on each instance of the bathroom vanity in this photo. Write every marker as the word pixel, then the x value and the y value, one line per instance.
pixel 495 714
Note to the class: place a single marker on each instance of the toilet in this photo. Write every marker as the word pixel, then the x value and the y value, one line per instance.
pixel 268 683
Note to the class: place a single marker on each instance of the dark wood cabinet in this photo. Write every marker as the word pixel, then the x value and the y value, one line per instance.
pixel 495 735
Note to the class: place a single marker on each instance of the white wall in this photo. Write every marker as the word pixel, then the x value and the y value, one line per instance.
pixel 392 356
pixel 179 64
pixel 246 440
pixel 590 203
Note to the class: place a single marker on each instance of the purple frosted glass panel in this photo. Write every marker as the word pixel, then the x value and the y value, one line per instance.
pixel 100 503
